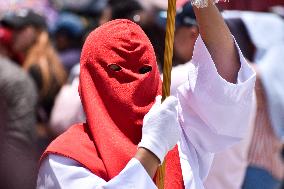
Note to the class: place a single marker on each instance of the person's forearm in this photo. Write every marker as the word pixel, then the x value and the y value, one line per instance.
pixel 219 42
pixel 149 161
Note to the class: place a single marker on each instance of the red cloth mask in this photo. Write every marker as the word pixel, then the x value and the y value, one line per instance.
pixel 119 80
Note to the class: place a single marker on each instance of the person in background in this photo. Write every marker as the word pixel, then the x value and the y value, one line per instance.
pixel 265 168
pixel 31 39
pixel 68 33
pixel 186 33
pixel 229 167
pixel 6 42
pixel 242 36
pixel 90 10
pixel 67 109
pixel 18 98
pixel 134 11
pixel 6 37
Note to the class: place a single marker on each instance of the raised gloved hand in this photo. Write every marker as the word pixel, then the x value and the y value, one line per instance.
pixel 161 129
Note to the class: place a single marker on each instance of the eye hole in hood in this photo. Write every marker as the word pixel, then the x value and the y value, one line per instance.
pixel 114 67
pixel 145 69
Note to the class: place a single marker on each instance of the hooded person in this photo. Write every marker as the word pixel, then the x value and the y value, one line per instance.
pixel 128 132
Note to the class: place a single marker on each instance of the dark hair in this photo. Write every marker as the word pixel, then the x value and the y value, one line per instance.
pixel 128 9
pixel 185 16
pixel 125 9
pixel 156 35
pixel 23 18
pixel 240 32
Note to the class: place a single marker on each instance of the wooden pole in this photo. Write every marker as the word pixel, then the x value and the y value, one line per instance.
pixel 168 57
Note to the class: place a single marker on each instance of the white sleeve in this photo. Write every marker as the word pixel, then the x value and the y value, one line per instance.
pixel 58 172
pixel 214 113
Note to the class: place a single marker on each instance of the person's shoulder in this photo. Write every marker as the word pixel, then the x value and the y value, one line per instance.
pixel 66 142
pixel 77 144
pixel 13 75
pixel 8 66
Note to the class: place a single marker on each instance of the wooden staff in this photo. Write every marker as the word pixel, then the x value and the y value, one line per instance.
pixel 168 57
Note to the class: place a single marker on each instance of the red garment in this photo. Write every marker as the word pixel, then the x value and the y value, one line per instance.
pixel 252 5
pixel 115 102
pixel 6 39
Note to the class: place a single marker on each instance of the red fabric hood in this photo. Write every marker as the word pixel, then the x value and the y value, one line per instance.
pixel 115 102
pixel 118 99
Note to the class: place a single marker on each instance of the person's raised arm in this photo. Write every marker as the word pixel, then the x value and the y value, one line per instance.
pixel 219 41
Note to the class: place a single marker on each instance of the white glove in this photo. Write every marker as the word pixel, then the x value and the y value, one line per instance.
pixel 161 129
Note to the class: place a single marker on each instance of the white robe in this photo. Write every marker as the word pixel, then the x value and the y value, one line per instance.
pixel 214 114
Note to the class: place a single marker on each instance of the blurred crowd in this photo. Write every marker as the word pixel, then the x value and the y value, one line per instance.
pixel 40 46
